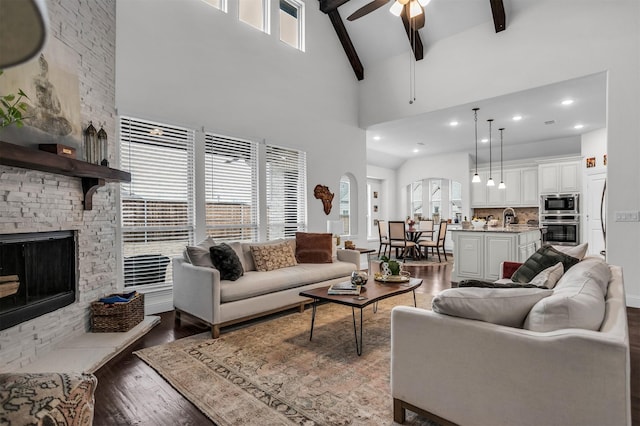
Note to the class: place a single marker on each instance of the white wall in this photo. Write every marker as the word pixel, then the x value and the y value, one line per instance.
pixel 388 192
pixel 186 63
pixel 453 166
pixel 550 41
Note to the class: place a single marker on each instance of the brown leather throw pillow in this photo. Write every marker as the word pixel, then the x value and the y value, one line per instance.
pixel 313 247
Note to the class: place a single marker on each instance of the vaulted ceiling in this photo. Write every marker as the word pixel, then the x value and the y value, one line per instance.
pixel 379 34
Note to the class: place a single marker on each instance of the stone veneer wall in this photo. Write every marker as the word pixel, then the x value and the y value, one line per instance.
pixel 522 213
pixel 32 201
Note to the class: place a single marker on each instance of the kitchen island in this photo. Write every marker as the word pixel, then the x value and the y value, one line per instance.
pixel 478 252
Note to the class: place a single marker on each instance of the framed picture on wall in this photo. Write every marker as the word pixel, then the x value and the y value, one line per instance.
pixel 375 209
pixel 375 194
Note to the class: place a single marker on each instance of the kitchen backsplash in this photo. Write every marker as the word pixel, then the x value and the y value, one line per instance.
pixel 523 214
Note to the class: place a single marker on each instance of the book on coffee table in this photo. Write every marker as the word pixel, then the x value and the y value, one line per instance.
pixel 344 288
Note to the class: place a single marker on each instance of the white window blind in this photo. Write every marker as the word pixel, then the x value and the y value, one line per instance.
pixel 157 205
pixel 286 186
pixel 231 188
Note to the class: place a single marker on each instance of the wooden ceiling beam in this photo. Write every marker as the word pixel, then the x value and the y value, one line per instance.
pixel 347 45
pixel 412 33
pixel 499 17
pixel 327 6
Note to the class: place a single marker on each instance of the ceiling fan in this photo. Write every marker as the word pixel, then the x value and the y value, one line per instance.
pixel 415 9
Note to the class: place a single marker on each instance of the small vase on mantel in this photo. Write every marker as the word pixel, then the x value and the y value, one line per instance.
pixel 91 144
pixel 102 147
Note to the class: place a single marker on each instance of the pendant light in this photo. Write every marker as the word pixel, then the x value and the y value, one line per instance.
pixel 476 177
pixel 490 182
pixel 501 185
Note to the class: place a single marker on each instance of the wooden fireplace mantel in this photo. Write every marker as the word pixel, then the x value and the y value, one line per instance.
pixel 93 175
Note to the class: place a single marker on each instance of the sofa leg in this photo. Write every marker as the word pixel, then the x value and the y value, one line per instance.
pixel 215 331
pixel 398 411
pixel 301 308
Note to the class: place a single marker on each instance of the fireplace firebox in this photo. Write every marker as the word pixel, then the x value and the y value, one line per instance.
pixel 37 274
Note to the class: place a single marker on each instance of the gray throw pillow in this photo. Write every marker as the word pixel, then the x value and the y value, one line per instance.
pixel 489 284
pixel 542 259
pixel 226 261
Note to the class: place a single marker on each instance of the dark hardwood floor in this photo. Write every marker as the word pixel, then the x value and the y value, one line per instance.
pixel 129 392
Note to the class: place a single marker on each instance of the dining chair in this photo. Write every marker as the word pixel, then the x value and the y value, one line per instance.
pixel 384 237
pixel 426 229
pixel 398 239
pixel 437 244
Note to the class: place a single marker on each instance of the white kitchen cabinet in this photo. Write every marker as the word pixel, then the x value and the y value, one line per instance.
pixel 521 188
pixel 529 195
pixel 477 254
pixel 479 190
pixel 558 178
pixel 513 190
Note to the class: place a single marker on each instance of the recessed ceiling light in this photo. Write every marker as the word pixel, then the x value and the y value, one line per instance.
pixel 453 123
pixel 416 150
pixel 567 102
pixel 485 140
pixel 517 117
pixel 376 138
pixel 578 126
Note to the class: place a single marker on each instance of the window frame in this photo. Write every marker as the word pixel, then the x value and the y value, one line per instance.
pixel 300 22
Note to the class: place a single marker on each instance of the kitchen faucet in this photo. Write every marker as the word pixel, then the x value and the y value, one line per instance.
pixel 504 216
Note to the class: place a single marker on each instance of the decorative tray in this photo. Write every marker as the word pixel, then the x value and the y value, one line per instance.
pixel 393 279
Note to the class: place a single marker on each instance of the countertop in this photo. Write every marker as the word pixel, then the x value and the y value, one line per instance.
pixel 513 229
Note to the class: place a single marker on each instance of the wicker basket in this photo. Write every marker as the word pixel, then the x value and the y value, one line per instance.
pixel 117 317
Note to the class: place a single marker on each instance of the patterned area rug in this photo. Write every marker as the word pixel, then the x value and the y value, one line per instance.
pixel 270 373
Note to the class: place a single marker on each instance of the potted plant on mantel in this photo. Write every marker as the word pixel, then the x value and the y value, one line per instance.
pixel 12 107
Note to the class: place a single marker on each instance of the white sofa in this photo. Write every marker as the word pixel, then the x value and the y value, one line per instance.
pixel 199 291
pixel 470 372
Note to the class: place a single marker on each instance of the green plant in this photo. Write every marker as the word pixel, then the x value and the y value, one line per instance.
pixel 12 107
pixel 394 266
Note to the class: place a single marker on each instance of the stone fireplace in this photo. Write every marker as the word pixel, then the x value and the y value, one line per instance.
pixel 38 272
pixel 44 205
pixel 37 201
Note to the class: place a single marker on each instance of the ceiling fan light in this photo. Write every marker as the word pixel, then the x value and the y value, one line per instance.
pixel 414 9
pixel 396 8
pixel 423 3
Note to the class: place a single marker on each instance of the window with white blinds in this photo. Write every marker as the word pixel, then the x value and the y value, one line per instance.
pixel 286 190
pixel 157 206
pixel 231 170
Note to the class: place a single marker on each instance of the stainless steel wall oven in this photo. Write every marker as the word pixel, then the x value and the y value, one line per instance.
pixel 562 230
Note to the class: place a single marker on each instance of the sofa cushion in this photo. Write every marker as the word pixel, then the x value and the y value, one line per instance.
pixel 314 247
pixel 268 257
pixel 545 257
pixel 498 306
pixel 226 261
pixel 578 251
pixel 578 300
pixel 199 255
pixel 256 283
pixel 549 277
pixel 504 283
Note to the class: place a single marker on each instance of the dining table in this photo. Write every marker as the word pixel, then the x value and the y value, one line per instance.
pixel 414 234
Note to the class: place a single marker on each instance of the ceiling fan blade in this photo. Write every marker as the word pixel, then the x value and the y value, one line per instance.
pixel 366 9
pixel 419 20
pixel 416 22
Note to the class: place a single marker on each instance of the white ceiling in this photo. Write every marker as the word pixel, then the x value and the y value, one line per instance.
pixel 399 139
pixel 381 35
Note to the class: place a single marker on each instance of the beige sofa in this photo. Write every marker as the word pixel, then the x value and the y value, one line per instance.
pixel 199 291
pixel 472 372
